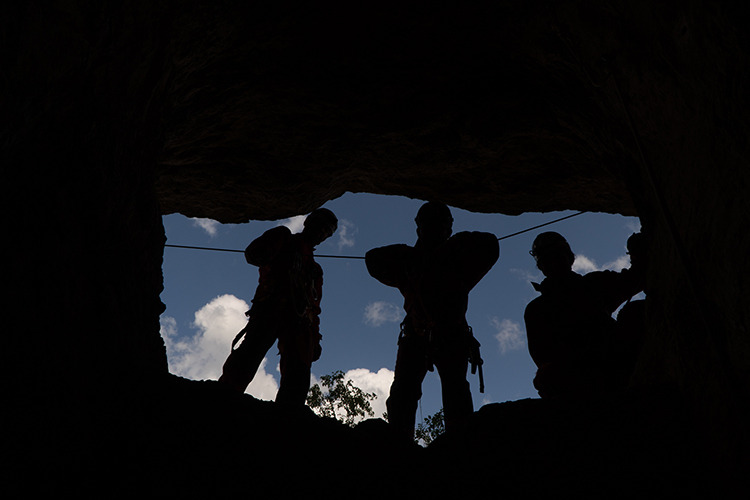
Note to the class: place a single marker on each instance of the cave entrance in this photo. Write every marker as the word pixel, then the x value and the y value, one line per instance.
pixel 207 292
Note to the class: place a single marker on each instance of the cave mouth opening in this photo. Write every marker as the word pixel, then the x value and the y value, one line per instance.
pixel 206 292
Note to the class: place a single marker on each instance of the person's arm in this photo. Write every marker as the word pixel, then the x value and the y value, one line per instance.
pixel 473 254
pixel 388 264
pixel 613 288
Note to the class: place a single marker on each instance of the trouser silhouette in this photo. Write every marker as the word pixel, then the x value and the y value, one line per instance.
pixel 295 346
pixel 412 364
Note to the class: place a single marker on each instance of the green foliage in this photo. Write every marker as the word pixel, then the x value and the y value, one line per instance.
pixel 340 400
pixel 432 427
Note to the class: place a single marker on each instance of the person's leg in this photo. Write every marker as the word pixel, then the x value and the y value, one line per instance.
pixel 452 365
pixel 295 380
pixel 406 389
pixel 243 362
pixel 297 352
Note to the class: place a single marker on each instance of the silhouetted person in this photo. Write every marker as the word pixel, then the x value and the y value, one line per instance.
pixel 286 306
pixel 631 318
pixel 572 336
pixel 435 277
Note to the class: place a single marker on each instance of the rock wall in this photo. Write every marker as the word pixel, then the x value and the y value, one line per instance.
pixel 117 114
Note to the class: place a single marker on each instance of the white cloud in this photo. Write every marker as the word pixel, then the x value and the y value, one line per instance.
pixel 210 226
pixel 634 225
pixel 379 312
pixel 377 382
pixel 509 334
pixel 264 385
pixel 585 265
pixel 201 356
pixel 618 264
pixel 295 224
pixel 528 275
pixel 168 328
pixel 346 233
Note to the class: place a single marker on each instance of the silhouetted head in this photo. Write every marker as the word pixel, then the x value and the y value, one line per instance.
pixel 434 223
pixel 552 253
pixel 320 225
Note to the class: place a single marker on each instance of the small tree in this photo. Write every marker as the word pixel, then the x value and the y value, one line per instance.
pixel 432 427
pixel 340 400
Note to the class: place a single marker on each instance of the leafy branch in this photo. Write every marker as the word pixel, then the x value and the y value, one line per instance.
pixel 432 427
pixel 340 399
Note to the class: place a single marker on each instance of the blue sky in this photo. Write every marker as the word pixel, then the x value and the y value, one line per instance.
pixel 207 292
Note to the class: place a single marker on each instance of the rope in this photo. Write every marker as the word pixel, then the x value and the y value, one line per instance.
pixel 359 257
pixel 540 225
pixel 206 248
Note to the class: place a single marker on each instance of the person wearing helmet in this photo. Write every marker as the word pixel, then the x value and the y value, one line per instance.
pixel 572 337
pixel 286 307
pixel 435 277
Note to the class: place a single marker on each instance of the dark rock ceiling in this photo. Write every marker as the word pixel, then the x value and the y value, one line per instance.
pixel 466 104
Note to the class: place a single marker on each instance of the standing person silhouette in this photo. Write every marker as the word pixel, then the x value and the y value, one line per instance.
pixel 286 306
pixel 435 277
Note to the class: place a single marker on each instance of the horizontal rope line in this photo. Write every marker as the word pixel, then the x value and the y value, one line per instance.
pixel 359 257
pixel 540 225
